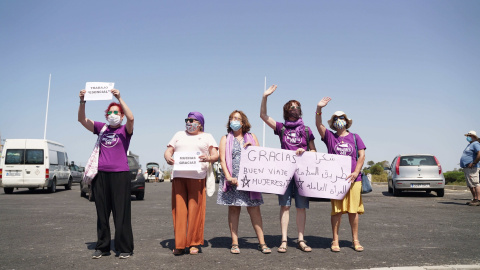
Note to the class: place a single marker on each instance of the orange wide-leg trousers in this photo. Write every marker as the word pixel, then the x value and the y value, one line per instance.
pixel 188 211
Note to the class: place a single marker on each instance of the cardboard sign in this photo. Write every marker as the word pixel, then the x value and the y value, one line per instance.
pixel 270 170
pixel 266 170
pixel 323 175
pixel 186 161
pixel 99 90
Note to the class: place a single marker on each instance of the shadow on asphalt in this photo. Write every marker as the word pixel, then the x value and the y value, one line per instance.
pixel 35 191
pixel 411 194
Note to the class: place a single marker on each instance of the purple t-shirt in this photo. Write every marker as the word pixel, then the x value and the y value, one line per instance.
pixel 291 140
pixel 113 148
pixel 347 148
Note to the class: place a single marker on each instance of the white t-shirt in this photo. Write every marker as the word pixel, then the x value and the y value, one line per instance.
pixel 182 141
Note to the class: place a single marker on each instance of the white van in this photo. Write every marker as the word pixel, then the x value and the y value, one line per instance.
pixel 34 163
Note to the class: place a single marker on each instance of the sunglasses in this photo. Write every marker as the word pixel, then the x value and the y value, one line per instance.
pixel 294 107
pixel 189 120
pixel 340 117
pixel 114 112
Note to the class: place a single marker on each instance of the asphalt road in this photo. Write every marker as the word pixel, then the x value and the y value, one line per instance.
pixel 39 230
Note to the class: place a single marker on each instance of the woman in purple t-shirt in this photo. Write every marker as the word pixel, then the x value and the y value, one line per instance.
pixel 342 142
pixel 293 136
pixel 111 185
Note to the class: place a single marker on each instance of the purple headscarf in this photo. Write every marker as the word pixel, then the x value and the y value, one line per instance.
pixel 199 117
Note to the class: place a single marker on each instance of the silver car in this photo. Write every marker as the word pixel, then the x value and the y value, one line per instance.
pixel 416 172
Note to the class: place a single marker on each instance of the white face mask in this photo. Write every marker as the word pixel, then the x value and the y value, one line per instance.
pixel 114 120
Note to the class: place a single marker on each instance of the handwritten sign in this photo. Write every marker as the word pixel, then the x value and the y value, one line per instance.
pixel 323 175
pixel 186 161
pixel 270 170
pixel 99 90
pixel 266 170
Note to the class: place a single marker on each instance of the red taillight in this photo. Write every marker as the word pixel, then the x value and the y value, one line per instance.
pixel 439 166
pixel 1 173
pixel 397 166
pixel 47 173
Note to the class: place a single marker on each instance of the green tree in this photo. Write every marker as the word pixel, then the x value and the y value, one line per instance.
pixel 376 169
pixel 370 163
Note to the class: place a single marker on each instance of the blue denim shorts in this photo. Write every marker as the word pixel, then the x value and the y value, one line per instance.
pixel 286 199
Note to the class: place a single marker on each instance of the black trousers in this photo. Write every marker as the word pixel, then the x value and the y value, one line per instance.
pixel 112 194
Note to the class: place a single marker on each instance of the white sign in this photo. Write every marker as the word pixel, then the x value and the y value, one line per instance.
pixel 187 161
pixel 99 90
pixel 316 174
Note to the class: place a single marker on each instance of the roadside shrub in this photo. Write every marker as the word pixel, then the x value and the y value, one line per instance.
pixel 376 169
pixel 379 178
pixel 454 176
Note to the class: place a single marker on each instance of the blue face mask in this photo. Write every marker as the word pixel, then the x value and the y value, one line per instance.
pixel 469 139
pixel 235 125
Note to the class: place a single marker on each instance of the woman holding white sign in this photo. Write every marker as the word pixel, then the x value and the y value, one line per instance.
pixel 294 135
pixel 111 185
pixel 231 145
pixel 188 186
pixel 342 142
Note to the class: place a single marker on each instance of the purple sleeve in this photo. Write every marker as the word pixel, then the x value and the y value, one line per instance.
pixel 278 129
pixel 97 126
pixel 327 136
pixel 360 144
pixel 310 134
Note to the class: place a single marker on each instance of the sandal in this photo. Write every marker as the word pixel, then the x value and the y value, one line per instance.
pixel 235 249
pixel 303 247
pixel 264 249
pixel 335 248
pixel 193 251
pixel 177 252
pixel 282 249
pixel 357 247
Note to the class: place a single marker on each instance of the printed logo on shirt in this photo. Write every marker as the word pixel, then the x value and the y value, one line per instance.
pixel 343 149
pixel 292 138
pixel 109 140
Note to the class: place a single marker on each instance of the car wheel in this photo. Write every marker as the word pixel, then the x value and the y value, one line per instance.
pixel 395 191
pixel 83 194
pixel 69 185
pixel 140 195
pixel 8 190
pixel 53 187
pixel 390 189
pixel 440 192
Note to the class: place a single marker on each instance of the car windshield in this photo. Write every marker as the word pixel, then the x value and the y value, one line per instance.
pixel 132 162
pixel 418 161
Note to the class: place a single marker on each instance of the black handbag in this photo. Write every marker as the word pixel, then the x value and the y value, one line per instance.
pixel 366 185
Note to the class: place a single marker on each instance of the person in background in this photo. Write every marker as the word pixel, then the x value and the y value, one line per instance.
pixel 295 136
pixel 342 143
pixel 231 145
pixel 188 187
pixel 111 185
pixel 469 163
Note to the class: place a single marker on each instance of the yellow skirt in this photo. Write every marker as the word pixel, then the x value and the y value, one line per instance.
pixel 351 203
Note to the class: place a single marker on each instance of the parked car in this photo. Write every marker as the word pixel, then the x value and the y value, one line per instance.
pixel 34 163
pixel 150 174
pixel 416 172
pixel 76 172
pixel 137 184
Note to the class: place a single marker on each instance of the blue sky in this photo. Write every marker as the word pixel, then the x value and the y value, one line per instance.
pixel 406 72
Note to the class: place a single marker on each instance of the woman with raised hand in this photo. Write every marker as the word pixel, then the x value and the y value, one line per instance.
pixel 111 185
pixel 342 142
pixel 188 187
pixel 231 145
pixel 294 135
